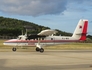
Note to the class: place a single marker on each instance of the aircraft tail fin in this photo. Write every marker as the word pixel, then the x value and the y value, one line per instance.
pixel 81 30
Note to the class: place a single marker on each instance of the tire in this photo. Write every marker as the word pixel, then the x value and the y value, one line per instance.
pixel 14 49
pixel 41 50
pixel 37 49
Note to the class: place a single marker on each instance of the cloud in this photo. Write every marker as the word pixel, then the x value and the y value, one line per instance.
pixel 40 7
pixel 33 7
pixel 78 6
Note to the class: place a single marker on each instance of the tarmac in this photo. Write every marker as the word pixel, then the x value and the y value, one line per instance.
pixel 49 60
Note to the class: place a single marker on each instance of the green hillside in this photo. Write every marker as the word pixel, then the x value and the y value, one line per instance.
pixel 13 27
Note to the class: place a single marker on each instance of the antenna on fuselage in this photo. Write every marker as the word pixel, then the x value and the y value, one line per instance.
pixel 26 33
pixel 22 32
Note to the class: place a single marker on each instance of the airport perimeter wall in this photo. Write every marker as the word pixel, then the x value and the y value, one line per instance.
pixel 8 37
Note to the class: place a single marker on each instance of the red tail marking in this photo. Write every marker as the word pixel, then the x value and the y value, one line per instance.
pixel 84 32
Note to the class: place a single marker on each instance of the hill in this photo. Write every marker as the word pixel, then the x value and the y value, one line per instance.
pixel 14 27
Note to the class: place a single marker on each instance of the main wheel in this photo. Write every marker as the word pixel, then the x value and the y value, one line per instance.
pixel 37 49
pixel 41 50
pixel 14 49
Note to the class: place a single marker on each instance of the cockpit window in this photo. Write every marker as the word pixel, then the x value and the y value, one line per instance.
pixel 19 38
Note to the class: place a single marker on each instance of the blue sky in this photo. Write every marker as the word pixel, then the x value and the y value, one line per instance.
pixel 56 14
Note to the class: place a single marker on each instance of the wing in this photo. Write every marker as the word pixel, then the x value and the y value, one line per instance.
pixel 47 32
pixel 42 34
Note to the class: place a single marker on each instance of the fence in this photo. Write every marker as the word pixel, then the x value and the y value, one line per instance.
pixel 8 37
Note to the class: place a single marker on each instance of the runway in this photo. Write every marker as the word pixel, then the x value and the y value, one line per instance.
pixel 49 60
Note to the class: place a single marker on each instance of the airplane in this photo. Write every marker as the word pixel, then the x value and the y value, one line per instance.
pixel 46 37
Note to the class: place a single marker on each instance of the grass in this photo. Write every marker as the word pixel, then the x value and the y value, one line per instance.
pixel 70 46
pixel 73 46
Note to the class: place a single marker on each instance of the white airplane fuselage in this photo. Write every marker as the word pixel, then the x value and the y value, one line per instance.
pixel 50 40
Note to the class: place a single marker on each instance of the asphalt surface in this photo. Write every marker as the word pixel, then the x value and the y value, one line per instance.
pixel 49 60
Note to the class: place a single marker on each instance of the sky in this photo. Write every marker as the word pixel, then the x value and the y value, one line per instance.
pixel 56 14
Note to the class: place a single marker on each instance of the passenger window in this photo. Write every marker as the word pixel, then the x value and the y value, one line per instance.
pixel 67 38
pixel 19 38
pixel 42 38
pixel 51 38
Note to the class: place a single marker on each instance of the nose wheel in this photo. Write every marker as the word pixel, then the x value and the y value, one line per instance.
pixel 39 49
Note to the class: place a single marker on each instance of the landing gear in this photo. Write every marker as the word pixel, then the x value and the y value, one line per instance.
pixel 14 49
pixel 39 49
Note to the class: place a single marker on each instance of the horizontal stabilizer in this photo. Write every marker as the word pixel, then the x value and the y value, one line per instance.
pixel 81 33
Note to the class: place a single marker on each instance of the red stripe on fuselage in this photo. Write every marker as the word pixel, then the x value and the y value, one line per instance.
pixel 42 41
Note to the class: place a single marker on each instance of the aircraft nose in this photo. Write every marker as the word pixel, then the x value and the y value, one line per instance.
pixel 10 42
pixel 5 43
